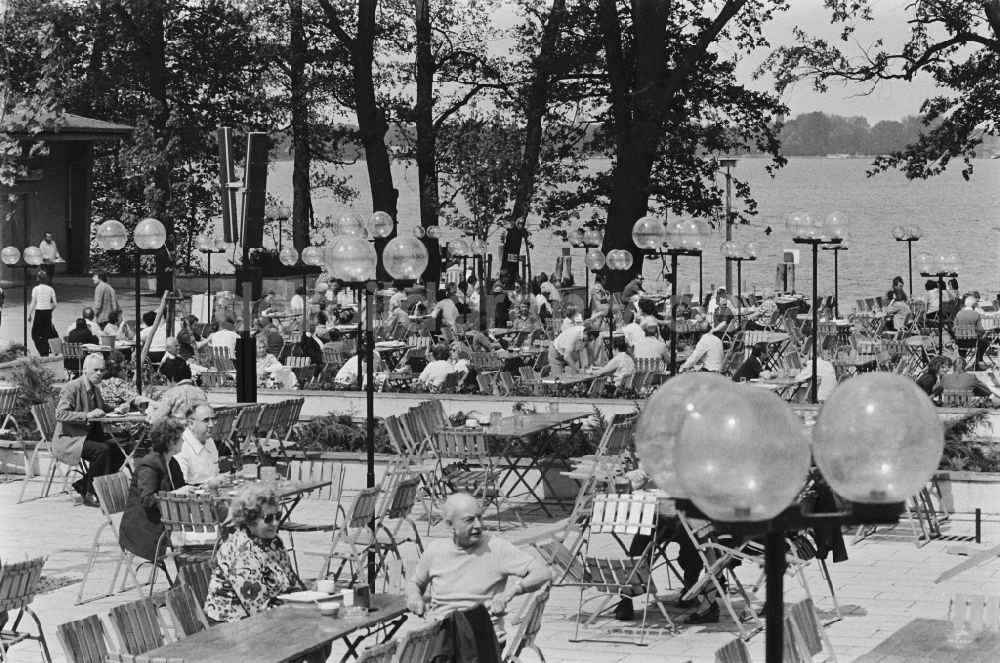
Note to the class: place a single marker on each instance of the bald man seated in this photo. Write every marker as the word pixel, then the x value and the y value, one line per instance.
pixel 471 568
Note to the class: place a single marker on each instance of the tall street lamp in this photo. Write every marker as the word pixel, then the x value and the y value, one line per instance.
pixel 837 248
pixel 149 237
pixel 815 232
pixel 618 260
pixel 593 259
pixel 908 234
pixel 353 260
pixel 207 246
pixel 312 256
pixel 729 164
pixel 732 252
pixel 740 457
pixel 479 249
pixel 683 238
pixel 940 267
pixel 11 256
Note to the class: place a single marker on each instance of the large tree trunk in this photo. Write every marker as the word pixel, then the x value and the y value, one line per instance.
pixel 302 156
pixel 536 103
pixel 426 138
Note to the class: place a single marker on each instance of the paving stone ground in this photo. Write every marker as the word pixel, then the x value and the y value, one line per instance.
pixel 887 582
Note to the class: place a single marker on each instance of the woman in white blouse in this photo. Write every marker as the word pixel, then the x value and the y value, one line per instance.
pixel 43 302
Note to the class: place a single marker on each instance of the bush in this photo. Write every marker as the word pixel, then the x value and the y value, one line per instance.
pixel 12 352
pixel 963 451
pixel 339 432
pixel 36 385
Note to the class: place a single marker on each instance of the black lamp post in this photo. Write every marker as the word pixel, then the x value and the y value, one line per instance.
pixel 593 259
pixel 11 256
pixel 683 238
pixel 816 232
pixel 740 457
pixel 939 267
pixel 732 252
pixel 908 234
pixel 208 246
pixel 478 249
pixel 837 248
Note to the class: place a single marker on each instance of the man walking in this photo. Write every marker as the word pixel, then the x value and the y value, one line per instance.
pixel 105 298
pixel 50 256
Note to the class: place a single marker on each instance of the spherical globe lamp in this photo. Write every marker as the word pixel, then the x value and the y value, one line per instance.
pixel 729 249
pixel 794 220
pixel 111 235
pixel 288 256
pixel 742 454
pixel 478 247
pixel 149 235
pixel 419 232
pixel 619 259
pixel 459 248
pixel 837 225
pixel 312 255
pixel 353 260
pixel 952 263
pixel 575 238
pixel 751 250
pixel 648 233
pixel 33 255
pixel 688 235
pixel 593 238
pixel 899 233
pixel 10 255
pixel 219 244
pixel 915 232
pixel 203 243
pixel 594 259
pixel 380 224
pixel 925 264
pixel 807 227
pixel 349 224
pixel 434 232
pixel 405 258
pixel 878 439
pixel 660 423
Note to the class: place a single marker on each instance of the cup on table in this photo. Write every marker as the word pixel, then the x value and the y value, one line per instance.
pixel 348 598
pixel 268 473
pixel 326 586
pixel 250 471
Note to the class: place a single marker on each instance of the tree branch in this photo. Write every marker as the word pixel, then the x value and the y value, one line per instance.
pixel 130 26
pixel 336 25
pixel 455 107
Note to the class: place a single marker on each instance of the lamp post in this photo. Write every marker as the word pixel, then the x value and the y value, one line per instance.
pixel 816 232
pixel 837 248
pixel 618 260
pixel 207 246
pixel 732 252
pixel 11 256
pixel 149 236
pixel 353 259
pixel 593 259
pixel 908 234
pixel 940 267
pixel 740 457
pixel 479 249
pixel 311 256
pixel 683 238
pixel 729 164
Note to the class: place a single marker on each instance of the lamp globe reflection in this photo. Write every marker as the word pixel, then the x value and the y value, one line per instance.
pixel 730 249
pixel 349 224
pixel 219 244
pixel 575 238
pixel 33 255
pixel 203 243
pixel 742 454
pixel 751 250
pixel 419 232
pixel 592 238
pixel 434 232
pixel 648 233
pixel 459 248
pixel 312 255
pixel 478 247
pixel 594 259
pixel 10 255
pixel 111 235
pixel 288 256
pixel 149 234
pixel 353 260
pixel 380 224
pixel 837 225
pixel 619 259
pixel 660 423
pixel 878 439
pixel 925 264
pixel 405 258
pixel 899 233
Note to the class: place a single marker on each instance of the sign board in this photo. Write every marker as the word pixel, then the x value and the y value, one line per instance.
pixel 203 307
pixel 512 257
pixel 791 256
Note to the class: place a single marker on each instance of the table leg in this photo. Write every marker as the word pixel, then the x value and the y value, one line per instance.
pixel 389 628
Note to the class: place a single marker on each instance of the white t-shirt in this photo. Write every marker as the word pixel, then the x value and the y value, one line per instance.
pixel 224 338
pixel 45 297
pixel 708 352
pixel 94 328
pixel 435 372
pixel 825 372
pixel 448 312
pixel 633 333
pixel 567 340
pixel 623 367
pixel 397 299
pixel 159 342
pixel 296 304
pixel 199 462
pixel 348 373
pixel 649 347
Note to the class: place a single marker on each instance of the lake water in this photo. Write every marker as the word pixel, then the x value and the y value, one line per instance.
pixel 955 215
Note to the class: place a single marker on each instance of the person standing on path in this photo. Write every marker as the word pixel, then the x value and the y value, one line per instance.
pixel 43 302
pixel 50 256
pixel 105 298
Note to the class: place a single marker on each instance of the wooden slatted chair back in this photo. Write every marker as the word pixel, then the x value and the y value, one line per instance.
pixel 267 418
pixel 404 496
pixel 734 651
pixel 196 576
pixel 958 398
pixel 650 364
pixel 418 646
pixel 527 373
pixel 449 383
pixel 965 332
pixel 624 514
pixel 185 611
pixel 397 435
pixel 296 362
pixel 529 623
pixel 222 359
pixel 597 385
pixel 292 412
pixel 974 612
pixel 45 418
pixel 807 632
pixel 333 356
pixel 224 420
pixel 85 640
pixel 485 384
pixel 137 626
pixel 318 470
pixel 188 513
pixel 416 429
pixel 383 653
pixel 8 401
pixel 363 508
pixel 570 566
pixel 112 492
pixel 246 421
pixel 213 379
pixel 17 583
pixel 506 382
pixel 434 411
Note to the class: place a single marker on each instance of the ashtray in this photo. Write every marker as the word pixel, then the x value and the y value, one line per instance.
pixel 329 608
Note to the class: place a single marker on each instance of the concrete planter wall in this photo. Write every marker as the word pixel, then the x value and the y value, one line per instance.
pixel 964 492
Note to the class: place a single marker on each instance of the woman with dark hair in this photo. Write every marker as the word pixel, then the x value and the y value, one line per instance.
pixel 43 303
pixel 753 367
pixel 113 326
pixel 155 472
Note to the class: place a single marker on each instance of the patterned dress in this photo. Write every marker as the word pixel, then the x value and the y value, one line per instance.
pixel 247 574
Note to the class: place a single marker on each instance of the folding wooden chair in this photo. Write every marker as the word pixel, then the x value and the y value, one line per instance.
pixel 310 470
pixel 398 509
pixel 185 611
pixel 242 434
pixel 354 532
pixel 597 385
pixel 734 651
pixel 9 425
pixel 620 515
pixel 196 576
pixel 138 626
pixel 112 493
pixel 474 470
pixel 383 653
pixel 418 646
pixel 73 356
pixel 86 641
pixel 222 359
pixel 529 623
pixel 974 613
pixel 808 637
pixel 506 382
pixel 18 581
pixel 185 514
pixel 223 431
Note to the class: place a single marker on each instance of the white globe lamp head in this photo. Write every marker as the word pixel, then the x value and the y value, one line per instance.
pixel 10 255
pixel 405 258
pixel 288 256
pixel 33 255
pixel 149 235
pixel 111 235
pixel 380 224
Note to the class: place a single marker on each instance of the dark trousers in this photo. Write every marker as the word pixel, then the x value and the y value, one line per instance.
pixel 41 328
pixel 668 529
pixel 102 458
pixel 965 344
pixel 50 269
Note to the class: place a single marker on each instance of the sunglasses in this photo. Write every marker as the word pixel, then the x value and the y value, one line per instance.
pixel 271 518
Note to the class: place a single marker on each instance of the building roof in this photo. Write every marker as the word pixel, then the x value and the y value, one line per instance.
pixel 76 127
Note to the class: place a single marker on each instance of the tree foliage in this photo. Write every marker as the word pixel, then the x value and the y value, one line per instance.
pixel 956 42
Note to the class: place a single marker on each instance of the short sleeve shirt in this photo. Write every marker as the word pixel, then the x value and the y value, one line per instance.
pixel 45 297
pixel 565 341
